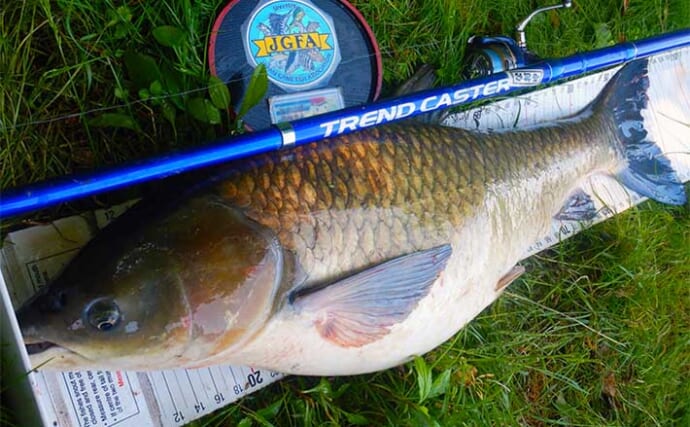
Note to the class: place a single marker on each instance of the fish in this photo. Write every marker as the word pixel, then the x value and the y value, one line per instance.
pixel 347 256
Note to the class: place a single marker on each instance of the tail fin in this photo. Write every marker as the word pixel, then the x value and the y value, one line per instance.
pixel 648 172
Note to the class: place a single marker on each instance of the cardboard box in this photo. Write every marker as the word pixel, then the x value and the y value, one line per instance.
pixel 30 258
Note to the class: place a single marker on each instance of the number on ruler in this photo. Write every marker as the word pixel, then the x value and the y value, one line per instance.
pixel 200 407
pixel 476 116
pixel 606 212
pixel 219 397
pixel 565 229
pixel 254 378
pixel 238 389
pixel 178 416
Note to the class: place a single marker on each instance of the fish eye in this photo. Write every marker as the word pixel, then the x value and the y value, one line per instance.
pixel 103 314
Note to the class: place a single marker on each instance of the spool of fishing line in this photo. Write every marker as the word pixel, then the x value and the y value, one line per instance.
pixel 319 56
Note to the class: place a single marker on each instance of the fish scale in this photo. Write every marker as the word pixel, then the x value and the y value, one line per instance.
pixel 394 189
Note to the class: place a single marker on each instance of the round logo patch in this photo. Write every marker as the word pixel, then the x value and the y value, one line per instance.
pixel 295 41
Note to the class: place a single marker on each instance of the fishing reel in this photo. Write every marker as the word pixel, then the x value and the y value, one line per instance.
pixel 489 55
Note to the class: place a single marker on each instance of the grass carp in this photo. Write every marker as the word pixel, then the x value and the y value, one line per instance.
pixel 346 256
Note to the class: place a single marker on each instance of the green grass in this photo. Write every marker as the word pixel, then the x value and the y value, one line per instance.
pixel 597 332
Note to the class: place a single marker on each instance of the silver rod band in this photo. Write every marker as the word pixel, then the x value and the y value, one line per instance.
pixel 287 133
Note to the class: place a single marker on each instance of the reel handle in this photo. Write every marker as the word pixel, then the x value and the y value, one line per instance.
pixel 520 29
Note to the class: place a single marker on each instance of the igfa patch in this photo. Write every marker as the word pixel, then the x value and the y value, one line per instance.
pixel 295 41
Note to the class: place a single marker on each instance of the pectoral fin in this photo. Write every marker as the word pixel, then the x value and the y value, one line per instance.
pixel 361 308
pixel 579 207
pixel 509 277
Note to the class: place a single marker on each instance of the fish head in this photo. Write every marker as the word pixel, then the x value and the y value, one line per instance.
pixel 180 289
pixel 129 305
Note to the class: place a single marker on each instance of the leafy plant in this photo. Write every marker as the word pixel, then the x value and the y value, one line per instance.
pixel 174 91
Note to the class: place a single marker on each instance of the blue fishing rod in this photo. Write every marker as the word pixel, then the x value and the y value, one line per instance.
pixel 303 131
